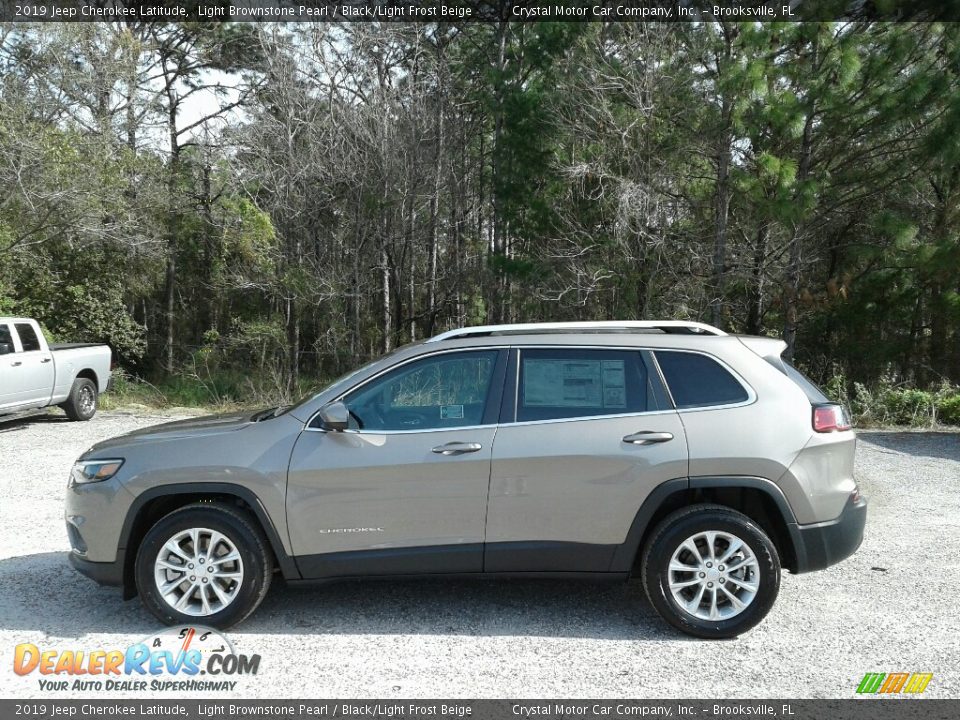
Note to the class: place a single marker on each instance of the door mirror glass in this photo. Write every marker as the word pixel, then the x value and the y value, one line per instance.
pixel 334 416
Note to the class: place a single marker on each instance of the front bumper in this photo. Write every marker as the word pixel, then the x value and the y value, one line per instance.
pixel 823 544
pixel 105 573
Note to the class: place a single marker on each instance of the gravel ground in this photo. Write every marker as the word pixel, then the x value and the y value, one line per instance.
pixel 891 607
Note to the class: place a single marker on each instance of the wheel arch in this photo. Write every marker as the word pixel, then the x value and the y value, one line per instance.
pixel 758 498
pixel 156 502
pixel 90 374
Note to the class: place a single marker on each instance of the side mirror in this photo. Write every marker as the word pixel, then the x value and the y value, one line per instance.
pixel 6 348
pixel 334 416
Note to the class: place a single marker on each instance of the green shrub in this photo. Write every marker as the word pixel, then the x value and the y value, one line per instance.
pixel 948 408
pixel 887 404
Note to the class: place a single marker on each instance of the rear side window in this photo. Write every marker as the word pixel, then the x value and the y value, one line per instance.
pixel 569 383
pixel 699 381
pixel 28 337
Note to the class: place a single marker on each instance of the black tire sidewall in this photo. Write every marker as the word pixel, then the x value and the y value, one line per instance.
pixel 74 411
pixel 241 534
pixel 666 541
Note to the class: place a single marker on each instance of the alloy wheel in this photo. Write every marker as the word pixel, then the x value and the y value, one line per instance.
pixel 713 575
pixel 198 572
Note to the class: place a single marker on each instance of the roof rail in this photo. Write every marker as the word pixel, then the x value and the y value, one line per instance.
pixel 667 326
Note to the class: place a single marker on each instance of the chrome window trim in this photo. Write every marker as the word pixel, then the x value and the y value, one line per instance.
pixel 415 358
pixel 583 418
pixel 403 432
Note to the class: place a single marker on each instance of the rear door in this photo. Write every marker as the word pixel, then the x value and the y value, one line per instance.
pixel 587 434
pixel 32 367
pixel 404 490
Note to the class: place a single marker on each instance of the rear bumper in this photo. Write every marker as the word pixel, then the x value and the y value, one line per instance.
pixel 823 544
pixel 104 573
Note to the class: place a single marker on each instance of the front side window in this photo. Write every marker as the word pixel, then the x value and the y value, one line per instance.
pixel 443 391
pixel 568 383
pixel 6 340
pixel 696 380
pixel 28 337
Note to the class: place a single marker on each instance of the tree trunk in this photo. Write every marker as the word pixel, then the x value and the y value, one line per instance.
pixel 173 229
pixel 721 205
pixel 755 294
pixel 385 297
pixel 791 289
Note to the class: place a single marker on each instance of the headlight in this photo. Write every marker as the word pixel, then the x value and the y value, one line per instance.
pixel 91 471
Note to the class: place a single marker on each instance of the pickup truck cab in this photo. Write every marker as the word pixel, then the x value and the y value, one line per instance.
pixel 35 375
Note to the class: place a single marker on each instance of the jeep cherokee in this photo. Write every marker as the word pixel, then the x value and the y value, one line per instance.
pixel 700 462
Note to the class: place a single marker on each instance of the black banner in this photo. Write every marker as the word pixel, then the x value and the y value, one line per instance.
pixel 877 709
pixel 474 10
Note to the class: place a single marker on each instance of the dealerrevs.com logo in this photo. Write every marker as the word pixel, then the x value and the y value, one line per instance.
pixel 176 659
pixel 894 683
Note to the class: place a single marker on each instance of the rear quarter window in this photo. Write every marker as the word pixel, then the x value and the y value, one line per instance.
pixel 696 380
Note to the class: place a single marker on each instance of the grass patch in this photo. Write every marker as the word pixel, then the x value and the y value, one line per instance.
pixel 221 391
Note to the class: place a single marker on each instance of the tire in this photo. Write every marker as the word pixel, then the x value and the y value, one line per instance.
pixel 755 564
pixel 244 581
pixel 82 402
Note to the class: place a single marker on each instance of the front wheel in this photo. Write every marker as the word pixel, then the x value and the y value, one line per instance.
pixel 81 404
pixel 205 563
pixel 710 571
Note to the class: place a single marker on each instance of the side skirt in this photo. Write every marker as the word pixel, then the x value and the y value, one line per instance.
pixel 603 577
pixel 505 559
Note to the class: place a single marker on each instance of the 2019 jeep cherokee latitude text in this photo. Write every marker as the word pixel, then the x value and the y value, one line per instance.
pixel 698 461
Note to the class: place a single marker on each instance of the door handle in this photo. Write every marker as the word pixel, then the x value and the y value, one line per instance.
pixel 647 437
pixel 16 363
pixel 46 360
pixel 457 448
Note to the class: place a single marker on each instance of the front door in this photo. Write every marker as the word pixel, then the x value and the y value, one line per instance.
pixel 590 435
pixel 33 370
pixel 404 490
pixel 9 369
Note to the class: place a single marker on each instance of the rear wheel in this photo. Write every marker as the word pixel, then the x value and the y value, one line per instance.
pixel 208 564
pixel 81 404
pixel 711 571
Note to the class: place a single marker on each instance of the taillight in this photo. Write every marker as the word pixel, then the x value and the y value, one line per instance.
pixel 829 418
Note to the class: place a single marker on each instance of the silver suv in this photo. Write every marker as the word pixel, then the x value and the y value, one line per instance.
pixel 698 461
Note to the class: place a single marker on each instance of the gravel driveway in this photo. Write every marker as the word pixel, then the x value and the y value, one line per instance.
pixel 891 607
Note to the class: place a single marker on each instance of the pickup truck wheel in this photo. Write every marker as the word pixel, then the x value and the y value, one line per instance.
pixel 207 563
pixel 82 402
pixel 710 571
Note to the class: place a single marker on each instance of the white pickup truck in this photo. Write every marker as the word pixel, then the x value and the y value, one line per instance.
pixel 36 375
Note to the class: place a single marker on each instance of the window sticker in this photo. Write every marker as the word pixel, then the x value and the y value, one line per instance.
pixel 574 383
pixel 614 384
pixel 451 412
pixel 562 383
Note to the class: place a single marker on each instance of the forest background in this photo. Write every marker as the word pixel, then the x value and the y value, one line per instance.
pixel 244 211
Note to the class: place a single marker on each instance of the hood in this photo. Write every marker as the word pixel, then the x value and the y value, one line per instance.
pixel 191 427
